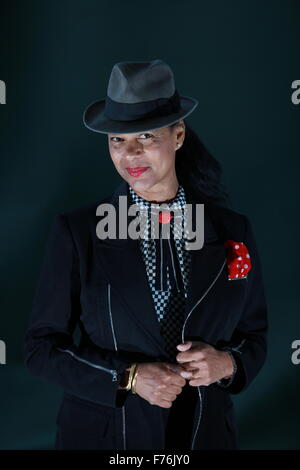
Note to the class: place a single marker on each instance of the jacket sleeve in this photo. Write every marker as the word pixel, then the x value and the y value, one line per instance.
pixel 87 371
pixel 248 344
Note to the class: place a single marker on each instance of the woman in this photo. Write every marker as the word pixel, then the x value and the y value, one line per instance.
pixel 168 331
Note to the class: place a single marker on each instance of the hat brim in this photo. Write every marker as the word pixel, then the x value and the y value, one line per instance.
pixel 95 120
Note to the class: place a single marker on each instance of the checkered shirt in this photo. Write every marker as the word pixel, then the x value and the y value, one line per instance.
pixel 170 303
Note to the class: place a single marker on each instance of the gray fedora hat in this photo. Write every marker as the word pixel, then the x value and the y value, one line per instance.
pixel 141 96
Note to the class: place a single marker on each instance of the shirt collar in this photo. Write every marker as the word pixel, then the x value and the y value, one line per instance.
pixel 178 202
pixel 146 207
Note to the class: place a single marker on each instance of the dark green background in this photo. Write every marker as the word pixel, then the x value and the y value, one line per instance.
pixel 238 58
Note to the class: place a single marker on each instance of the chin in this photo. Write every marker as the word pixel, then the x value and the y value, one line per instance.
pixel 139 183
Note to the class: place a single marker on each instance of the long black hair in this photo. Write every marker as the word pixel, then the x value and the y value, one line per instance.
pixel 198 170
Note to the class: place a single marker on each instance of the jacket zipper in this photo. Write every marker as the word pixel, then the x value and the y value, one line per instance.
pixel 182 336
pixel 116 348
pixel 96 366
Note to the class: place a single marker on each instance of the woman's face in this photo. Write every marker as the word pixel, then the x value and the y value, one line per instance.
pixel 152 150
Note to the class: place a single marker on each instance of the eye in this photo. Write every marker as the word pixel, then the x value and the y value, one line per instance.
pixel 143 134
pixel 146 133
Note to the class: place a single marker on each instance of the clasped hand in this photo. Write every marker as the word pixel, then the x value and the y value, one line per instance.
pixel 161 382
pixel 203 364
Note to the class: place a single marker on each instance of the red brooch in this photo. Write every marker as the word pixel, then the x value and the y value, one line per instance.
pixel 238 259
pixel 165 217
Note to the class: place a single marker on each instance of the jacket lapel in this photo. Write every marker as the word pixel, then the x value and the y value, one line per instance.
pixel 207 261
pixel 124 268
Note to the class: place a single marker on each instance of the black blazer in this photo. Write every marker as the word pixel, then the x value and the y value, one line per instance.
pixel 102 286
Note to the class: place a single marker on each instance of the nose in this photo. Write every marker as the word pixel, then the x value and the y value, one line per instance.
pixel 133 148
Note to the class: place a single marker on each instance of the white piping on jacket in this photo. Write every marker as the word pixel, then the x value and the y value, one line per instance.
pixel 173 265
pixel 96 366
pixel 124 428
pixel 116 348
pixel 110 315
pixel 182 335
pixel 161 265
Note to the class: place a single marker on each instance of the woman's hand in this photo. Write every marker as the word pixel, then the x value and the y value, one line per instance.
pixel 206 363
pixel 159 383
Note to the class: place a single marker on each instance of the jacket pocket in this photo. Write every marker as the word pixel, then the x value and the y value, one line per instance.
pixel 83 424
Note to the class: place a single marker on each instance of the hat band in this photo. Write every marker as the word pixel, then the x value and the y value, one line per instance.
pixel 131 111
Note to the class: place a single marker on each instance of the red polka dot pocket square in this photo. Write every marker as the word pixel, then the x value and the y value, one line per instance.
pixel 238 260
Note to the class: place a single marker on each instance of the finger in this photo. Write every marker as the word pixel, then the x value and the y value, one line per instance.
pixel 201 375
pixel 169 396
pixel 165 404
pixel 187 356
pixel 178 369
pixel 189 368
pixel 190 356
pixel 200 381
pixel 184 346
pixel 175 390
pixel 186 374
pixel 193 366
pixel 191 374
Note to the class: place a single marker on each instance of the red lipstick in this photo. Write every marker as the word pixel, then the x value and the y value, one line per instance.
pixel 137 171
